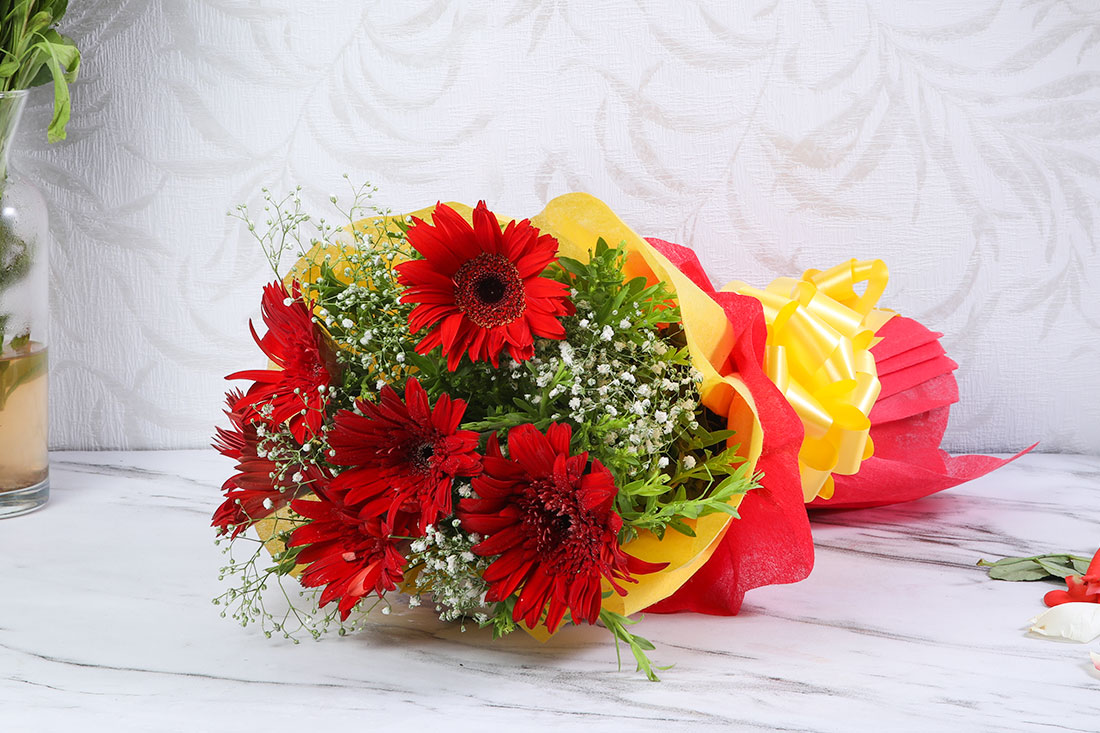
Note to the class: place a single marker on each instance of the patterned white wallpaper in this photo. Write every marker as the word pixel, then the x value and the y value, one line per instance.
pixel 958 141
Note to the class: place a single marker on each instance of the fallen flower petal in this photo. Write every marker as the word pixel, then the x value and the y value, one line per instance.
pixel 1076 592
pixel 1095 659
pixel 1091 578
pixel 1073 621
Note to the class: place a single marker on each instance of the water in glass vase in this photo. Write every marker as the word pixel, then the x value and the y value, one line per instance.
pixel 24 464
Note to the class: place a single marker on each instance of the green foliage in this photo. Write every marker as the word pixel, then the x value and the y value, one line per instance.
pixel 16 372
pixel 1038 567
pixel 32 53
pixel 662 500
pixel 617 624
pixel 500 618
pixel 16 260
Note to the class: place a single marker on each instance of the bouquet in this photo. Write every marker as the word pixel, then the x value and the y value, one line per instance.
pixel 535 423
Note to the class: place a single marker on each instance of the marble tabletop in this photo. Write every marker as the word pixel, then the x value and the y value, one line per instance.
pixel 106 623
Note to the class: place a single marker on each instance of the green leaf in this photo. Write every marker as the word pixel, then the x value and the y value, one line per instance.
pixel 1015 568
pixel 40 20
pixel 681 527
pixel 17 372
pixel 573 267
pixel 726 509
pixel 616 624
pixel 63 60
pixel 1055 568
pixel 1038 567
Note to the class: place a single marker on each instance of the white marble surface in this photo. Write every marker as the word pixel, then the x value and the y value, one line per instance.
pixel 106 624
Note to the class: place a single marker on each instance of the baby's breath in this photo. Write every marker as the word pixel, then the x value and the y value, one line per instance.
pixel 449 573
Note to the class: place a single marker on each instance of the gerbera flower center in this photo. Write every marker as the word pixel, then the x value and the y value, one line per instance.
pixel 420 456
pixel 489 290
pixel 560 530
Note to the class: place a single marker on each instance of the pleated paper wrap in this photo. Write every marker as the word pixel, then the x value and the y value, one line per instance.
pixel 833 400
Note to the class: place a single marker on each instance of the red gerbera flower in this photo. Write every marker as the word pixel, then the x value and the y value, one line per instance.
pixel 230 442
pixel 405 455
pixel 549 517
pixel 252 494
pixel 305 361
pixel 350 556
pixel 480 290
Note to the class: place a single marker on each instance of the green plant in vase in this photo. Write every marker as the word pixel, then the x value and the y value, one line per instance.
pixel 32 53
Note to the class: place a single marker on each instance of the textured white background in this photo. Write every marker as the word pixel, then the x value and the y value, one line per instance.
pixel 958 141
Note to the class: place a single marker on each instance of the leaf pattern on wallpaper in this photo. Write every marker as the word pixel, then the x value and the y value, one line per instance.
pixel 957 141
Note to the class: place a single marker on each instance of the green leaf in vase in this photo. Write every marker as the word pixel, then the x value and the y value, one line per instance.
pixel 16 372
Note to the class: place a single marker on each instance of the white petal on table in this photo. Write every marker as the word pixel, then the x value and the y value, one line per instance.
pixel 1073 621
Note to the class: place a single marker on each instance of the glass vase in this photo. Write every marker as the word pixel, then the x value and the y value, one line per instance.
pixel 24 316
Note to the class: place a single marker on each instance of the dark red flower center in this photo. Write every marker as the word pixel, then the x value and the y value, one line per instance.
pixel 489 290
pixel 565 539
pixel 420 456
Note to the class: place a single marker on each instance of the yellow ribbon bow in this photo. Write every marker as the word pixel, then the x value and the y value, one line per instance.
pixel 820 332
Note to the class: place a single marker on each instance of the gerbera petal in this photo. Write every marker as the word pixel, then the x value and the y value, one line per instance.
pixel 450 330
pixel 486 229
pixel 437 241
pixel 534 261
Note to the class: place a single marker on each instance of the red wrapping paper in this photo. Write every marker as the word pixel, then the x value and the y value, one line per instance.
pixel 907 425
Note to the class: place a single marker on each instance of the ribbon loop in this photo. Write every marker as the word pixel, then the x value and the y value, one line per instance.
pixel 820 331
